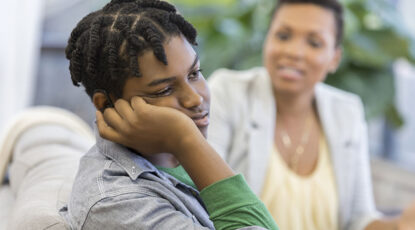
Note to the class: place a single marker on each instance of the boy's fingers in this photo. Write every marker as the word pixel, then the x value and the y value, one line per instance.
pixel 105 130
pixel 124 110
pixel 113 119
pixel 137 103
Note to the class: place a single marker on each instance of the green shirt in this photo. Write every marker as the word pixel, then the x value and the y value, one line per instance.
pixel 230 202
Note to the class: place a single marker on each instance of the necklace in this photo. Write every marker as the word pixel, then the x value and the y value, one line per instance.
pixel 299 149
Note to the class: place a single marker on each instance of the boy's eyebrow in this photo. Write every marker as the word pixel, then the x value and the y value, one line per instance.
pixel 160 81
pixel 194 63
pixel 169 79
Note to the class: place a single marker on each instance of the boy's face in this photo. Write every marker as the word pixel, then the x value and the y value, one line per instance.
pixel 179 85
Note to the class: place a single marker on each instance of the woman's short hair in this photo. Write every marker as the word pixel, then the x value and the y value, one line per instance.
pixel 332 5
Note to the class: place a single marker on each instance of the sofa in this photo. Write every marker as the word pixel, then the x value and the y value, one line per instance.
pixel 39 154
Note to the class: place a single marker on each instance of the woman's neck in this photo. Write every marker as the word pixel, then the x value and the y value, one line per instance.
pixel 292 106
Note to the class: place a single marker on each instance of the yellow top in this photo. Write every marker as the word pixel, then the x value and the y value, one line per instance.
pixel 302 202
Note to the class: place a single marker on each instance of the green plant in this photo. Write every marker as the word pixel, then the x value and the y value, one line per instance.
pixel 374 38
pixel 232 32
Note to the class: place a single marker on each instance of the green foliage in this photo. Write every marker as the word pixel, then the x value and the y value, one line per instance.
pixel 374 39
pixel 231 34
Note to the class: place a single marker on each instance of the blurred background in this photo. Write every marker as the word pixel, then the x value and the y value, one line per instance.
pixel 378 65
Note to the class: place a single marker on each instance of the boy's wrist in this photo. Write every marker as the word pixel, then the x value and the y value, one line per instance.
pixel 187 143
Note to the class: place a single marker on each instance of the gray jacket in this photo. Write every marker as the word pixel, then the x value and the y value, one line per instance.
pixel 242 126
pixel 117 189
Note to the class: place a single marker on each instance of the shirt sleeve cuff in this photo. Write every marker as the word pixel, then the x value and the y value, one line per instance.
pixel 227 195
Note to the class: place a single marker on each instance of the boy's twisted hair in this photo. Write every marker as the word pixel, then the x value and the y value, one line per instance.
pixel 104 47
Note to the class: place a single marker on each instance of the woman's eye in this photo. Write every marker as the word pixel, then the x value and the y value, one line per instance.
pixel 195 75
pixel 315 43
pixel 283 36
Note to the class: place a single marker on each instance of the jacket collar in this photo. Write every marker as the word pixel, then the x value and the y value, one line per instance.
pixel 131 162
pixel 262 122
pixel 338 141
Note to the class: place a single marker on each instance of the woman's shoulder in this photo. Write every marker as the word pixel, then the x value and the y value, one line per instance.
pixel 341 97
pixel 238 85
pixel 337 104
pixel 225 76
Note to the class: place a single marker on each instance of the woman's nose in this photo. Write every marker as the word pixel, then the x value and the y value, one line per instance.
pixel 294 49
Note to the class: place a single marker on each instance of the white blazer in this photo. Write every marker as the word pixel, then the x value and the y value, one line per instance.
pixel 243 114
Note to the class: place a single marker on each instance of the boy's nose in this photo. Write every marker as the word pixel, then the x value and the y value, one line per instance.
pixel 191 98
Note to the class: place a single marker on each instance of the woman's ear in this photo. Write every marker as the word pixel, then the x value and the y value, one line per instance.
pixel 336 60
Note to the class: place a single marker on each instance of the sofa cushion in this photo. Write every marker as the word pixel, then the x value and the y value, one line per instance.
pixel 45 156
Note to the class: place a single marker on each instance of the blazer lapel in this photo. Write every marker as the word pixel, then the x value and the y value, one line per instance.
pixel 261 130
pixel 339 141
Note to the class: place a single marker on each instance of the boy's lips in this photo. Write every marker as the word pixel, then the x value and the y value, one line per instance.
pixel 201 120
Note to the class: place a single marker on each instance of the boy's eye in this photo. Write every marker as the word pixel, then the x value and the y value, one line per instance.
pixel 195 75
pixel 164 92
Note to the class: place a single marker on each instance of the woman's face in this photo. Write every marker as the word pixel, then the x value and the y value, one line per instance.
pixel 300 47
pixel 179 85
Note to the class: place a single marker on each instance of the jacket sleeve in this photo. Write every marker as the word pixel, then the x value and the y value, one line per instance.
pixel 135 211
pixel 237 208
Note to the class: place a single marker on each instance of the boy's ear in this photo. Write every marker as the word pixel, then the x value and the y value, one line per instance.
pixel 100 101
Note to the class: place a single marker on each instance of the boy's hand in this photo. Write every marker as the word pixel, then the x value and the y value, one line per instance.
pixel 152 129
pixel 146 128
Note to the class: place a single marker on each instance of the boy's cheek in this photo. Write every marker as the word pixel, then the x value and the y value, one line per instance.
pixel 162 101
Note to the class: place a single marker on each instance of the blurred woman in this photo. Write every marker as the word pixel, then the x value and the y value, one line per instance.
pixel 301 144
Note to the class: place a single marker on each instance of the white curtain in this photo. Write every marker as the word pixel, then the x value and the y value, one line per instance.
pixel 20 29
pixel 405 94
pixel 405 86
pixel 407 8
